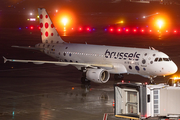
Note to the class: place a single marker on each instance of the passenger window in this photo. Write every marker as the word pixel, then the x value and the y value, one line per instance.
pixel 156 60
pixel 160 59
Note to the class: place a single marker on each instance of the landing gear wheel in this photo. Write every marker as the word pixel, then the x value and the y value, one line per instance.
pixel 84 80
pixel 118 76
pixel 151 82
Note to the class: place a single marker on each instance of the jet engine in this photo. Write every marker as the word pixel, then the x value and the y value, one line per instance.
pixel 97 75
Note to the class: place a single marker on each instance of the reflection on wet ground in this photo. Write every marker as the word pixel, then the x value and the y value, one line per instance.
pixel 54 98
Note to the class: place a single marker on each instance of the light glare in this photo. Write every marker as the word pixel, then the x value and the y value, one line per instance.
pixel 160 23
pixel 64 21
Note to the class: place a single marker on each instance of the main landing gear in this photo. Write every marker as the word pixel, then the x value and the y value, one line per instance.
pixel 84 80
pixel 86 84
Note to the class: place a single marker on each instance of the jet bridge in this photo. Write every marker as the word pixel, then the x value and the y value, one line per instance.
pixel 139 101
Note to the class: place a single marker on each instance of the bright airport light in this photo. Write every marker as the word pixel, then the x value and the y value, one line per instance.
pixel 120 22
pixel 64 21
pixel 160 23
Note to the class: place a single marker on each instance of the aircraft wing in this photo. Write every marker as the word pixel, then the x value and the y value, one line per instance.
pixel 60 63
pixel 28 47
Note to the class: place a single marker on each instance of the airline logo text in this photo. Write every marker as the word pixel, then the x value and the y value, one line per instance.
pixel 122 55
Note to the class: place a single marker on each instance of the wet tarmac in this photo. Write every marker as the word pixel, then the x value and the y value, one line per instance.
pixel 50 92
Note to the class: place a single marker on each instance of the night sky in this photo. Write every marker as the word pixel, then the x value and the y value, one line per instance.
pixel 14 12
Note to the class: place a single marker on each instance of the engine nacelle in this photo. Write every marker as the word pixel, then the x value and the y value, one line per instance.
pixel 97 75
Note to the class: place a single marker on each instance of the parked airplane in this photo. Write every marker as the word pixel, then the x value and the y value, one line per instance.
pixel 97 62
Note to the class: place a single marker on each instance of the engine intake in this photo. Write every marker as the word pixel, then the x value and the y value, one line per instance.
pixel 97 75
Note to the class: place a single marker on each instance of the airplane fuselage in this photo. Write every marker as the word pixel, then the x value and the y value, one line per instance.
pixel 124 59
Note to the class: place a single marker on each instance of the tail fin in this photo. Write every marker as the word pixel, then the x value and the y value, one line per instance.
pixel 48 31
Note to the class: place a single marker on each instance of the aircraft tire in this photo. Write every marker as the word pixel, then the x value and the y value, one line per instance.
pixel 84 80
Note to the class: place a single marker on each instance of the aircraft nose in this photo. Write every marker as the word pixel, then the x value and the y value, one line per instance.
pixel 174 68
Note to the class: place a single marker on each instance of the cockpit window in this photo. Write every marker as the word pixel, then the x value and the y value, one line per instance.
pixel 165 59
pixel 156 60
pixel 162 59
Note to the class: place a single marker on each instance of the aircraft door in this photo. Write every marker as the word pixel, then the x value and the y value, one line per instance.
pixel 144 60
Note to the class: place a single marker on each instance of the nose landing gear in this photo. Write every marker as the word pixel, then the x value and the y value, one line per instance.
pixel 151 81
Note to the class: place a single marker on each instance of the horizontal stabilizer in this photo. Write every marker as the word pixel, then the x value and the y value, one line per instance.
pixel 5 60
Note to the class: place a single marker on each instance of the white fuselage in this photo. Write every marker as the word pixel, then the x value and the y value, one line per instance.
pixel 124 59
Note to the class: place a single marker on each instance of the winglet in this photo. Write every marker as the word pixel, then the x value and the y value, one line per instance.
pixel 5 60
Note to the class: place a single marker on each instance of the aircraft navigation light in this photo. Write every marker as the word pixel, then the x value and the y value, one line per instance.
pixel 64 21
